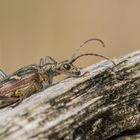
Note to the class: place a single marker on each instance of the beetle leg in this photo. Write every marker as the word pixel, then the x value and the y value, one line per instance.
pixel 27 92
pixel 2 74
pixel 83 74
pixel 47 60
pixel 50 77
pixel 8 99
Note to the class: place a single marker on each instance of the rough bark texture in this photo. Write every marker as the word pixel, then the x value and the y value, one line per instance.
pixel 104 104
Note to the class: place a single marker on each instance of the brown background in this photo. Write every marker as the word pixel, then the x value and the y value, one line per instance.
pixel 31 29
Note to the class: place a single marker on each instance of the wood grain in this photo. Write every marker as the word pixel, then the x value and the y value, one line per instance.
pixel 103 104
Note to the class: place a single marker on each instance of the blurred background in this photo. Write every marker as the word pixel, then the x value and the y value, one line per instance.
pixel 32 29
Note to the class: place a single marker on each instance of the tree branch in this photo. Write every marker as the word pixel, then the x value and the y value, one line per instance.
pixel 103 104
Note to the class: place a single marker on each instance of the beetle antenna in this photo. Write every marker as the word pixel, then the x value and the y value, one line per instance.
pixel 93 54
pixel 83 44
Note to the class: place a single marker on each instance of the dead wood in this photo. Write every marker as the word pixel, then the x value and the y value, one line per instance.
pixel 103 104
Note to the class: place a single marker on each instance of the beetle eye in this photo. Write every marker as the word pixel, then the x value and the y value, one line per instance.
pixel 67 66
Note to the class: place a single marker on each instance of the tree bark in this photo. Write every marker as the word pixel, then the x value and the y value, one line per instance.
pixel 103 104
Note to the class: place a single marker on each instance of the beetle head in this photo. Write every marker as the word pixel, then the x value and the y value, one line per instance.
pixel 67 68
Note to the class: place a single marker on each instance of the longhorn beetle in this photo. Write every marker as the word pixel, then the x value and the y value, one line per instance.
pixel 29 79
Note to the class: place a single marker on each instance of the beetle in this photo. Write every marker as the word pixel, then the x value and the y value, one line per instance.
pixel 29 79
